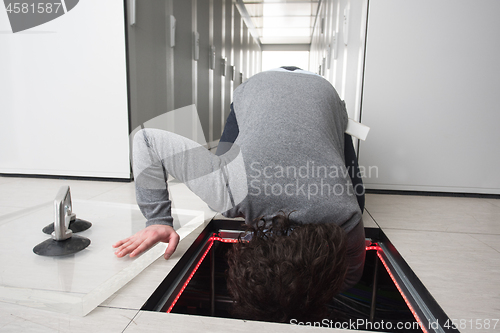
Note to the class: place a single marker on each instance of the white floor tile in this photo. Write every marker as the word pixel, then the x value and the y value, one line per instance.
pixel 16 318
pixel 157 322
pixel 492 241
pixel 368 220
pixel 82 281
pixel 125 193
pixel 470 215
pixel 134 294
pixel 5 180
pixel 183 198
pixel 7 210
pixel 461 272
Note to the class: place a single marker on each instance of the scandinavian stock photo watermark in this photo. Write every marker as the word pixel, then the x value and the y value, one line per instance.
pixel 307 179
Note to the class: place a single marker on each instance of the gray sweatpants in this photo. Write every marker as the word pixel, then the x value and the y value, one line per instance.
pixel 220 181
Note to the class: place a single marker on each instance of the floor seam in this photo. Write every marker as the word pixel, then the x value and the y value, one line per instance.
pixel 131 321
pixel 22 212
pixel 102 193
pixel 485 243
pixel 118 307
pixel 366 210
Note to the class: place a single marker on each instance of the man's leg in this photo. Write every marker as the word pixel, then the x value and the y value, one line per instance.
pixel 229 135
pixel 159 153
pixel 351 162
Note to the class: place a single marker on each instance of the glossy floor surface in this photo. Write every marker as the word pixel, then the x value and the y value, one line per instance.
pixel 452 244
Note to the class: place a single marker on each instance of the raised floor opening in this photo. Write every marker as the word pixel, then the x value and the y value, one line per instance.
pixel 388 298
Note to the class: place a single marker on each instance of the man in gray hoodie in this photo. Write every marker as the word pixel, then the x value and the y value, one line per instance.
pixel 288 156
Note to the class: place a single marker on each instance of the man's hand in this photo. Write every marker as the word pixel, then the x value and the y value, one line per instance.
pixel 145 239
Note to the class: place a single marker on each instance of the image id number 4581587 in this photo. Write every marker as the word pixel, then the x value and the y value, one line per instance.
pixel 478 324
pixel 41 7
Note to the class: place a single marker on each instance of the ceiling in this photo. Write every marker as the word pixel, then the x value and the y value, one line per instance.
pixel 281 21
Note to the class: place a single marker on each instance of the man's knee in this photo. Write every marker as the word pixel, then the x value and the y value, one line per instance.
pixel 142 138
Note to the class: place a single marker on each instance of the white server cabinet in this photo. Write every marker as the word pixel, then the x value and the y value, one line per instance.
pixel 430 96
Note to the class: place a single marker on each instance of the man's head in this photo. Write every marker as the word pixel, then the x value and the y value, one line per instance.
pixel 287 271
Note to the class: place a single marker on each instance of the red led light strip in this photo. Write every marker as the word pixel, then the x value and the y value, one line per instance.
pixel 211 240
pixel 224 240
pixel 368 248
pixel 415 315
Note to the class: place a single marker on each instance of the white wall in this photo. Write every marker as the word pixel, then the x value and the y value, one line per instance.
pixel 63 94
pixel 431 95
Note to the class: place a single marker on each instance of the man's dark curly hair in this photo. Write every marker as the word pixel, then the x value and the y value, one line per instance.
pixel 287 271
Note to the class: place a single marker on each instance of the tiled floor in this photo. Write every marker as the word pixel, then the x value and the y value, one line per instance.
pixel 430 213
pixel 452 244
pixel 16 319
